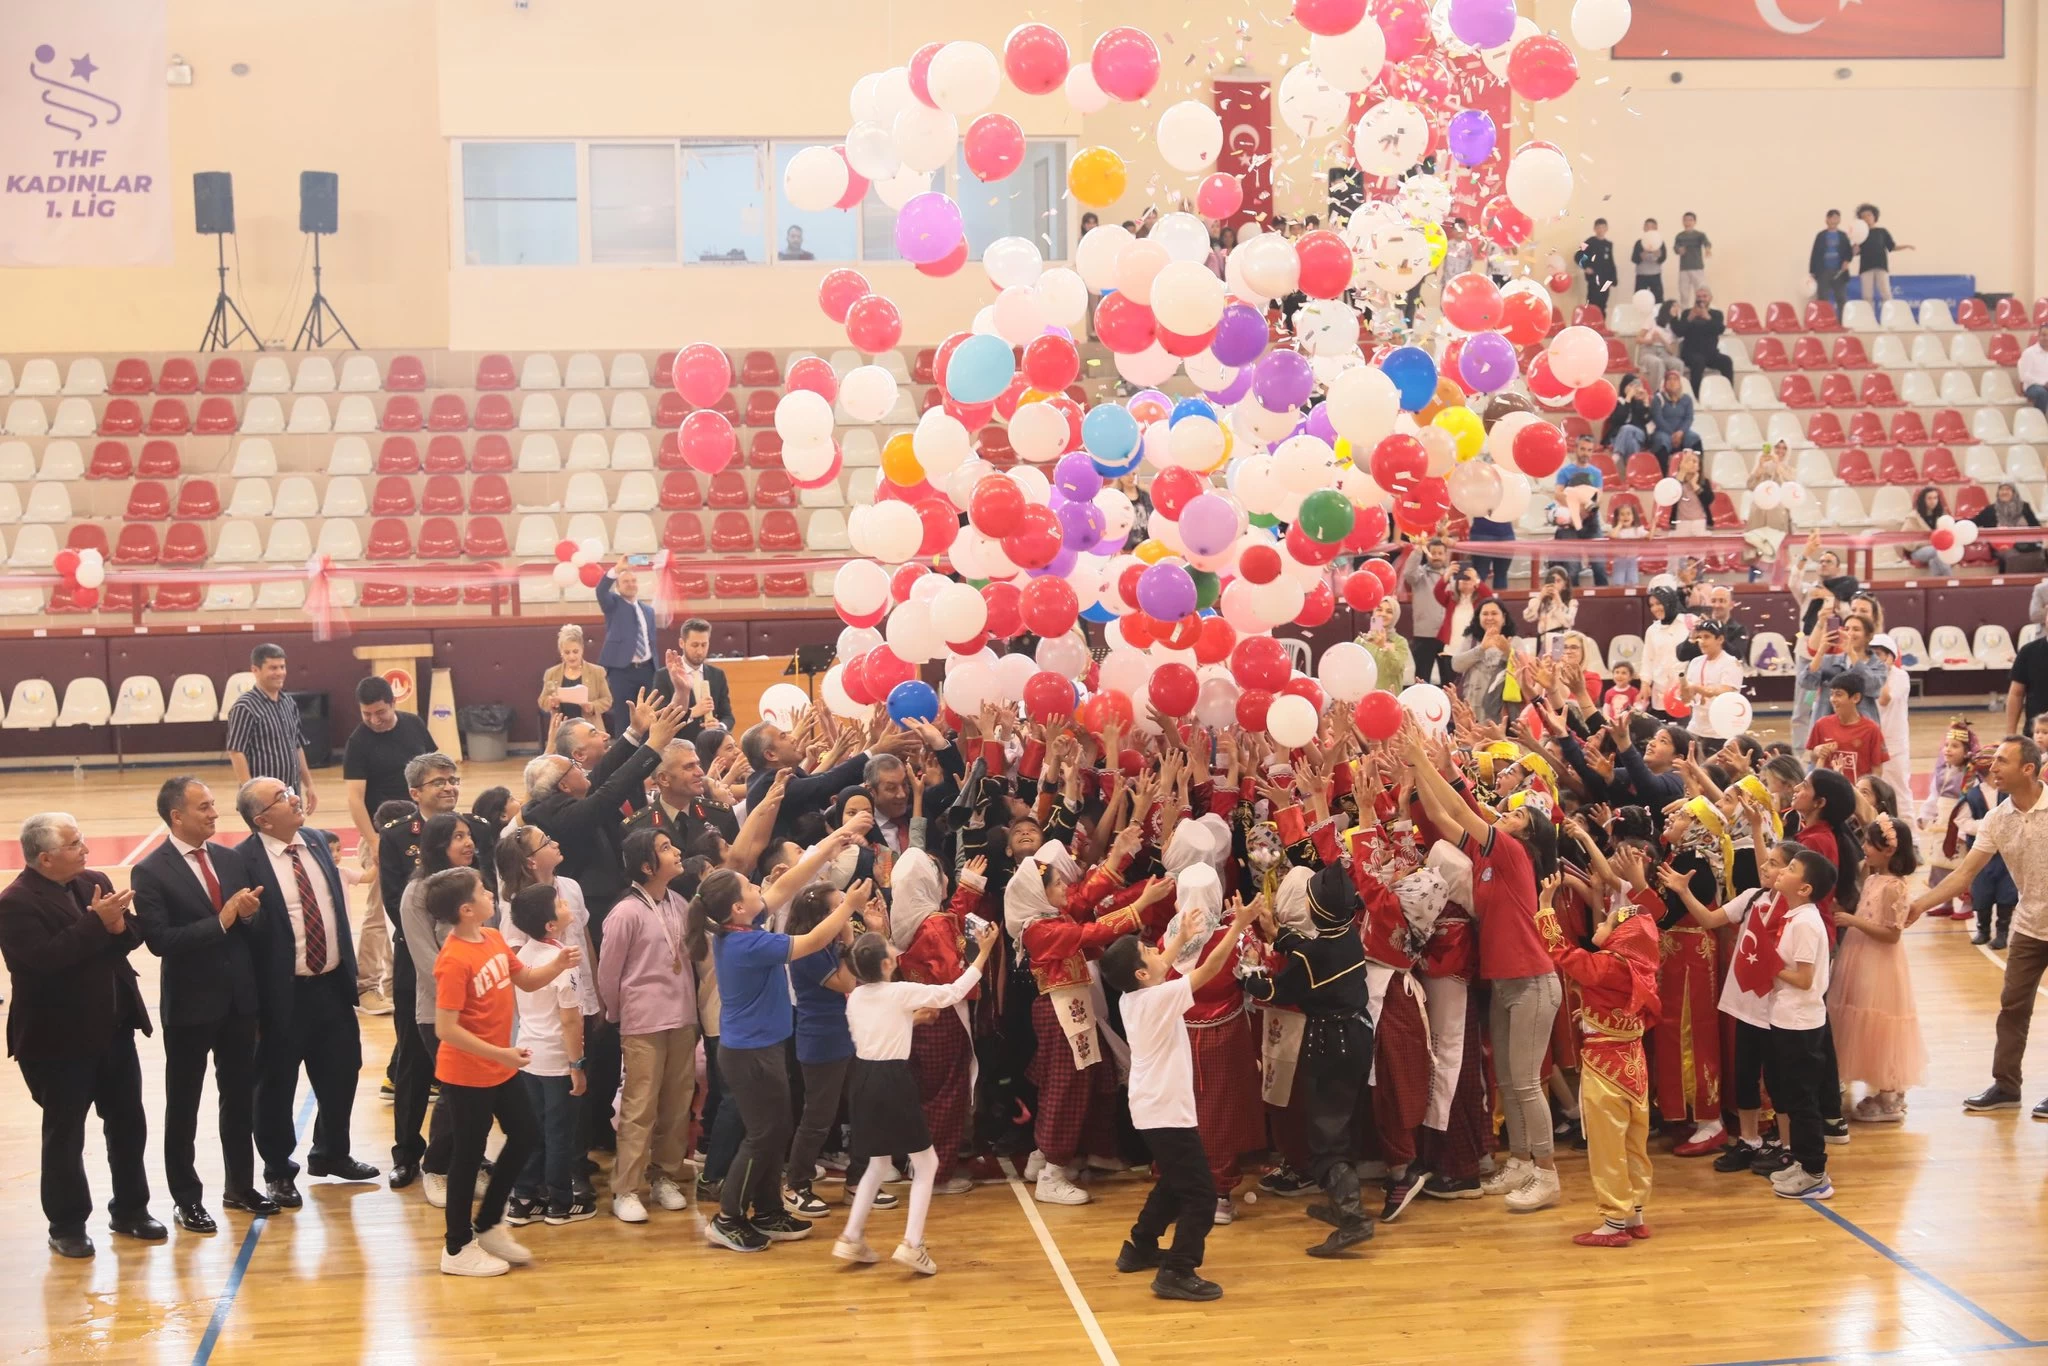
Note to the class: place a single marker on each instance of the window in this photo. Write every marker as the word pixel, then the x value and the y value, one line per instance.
pixel 833 235
pixel 633 204
pixel 1030 202
pixel 877 229
pixel 519 204
pixel 725 202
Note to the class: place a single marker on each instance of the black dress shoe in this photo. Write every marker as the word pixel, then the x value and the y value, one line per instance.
pixel 193 1218
pixel 404 1174
pixel 251 1201
pixel 284 1193
pixel 346 1169
pixel 75 1245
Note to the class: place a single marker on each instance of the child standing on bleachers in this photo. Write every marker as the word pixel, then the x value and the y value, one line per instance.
pixel 1876 1028
pixel 1625 523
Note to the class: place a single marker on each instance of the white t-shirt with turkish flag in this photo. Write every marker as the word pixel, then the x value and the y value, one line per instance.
pixel 1748 1007
pixel 1803 940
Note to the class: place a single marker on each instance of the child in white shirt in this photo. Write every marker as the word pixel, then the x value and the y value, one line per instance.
pixel 1795 1060
pixel 551 1031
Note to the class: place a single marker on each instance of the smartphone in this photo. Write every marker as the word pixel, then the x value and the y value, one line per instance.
pixel 640 561
pixel 974 924
pixel 1557 647
pixel 1834 622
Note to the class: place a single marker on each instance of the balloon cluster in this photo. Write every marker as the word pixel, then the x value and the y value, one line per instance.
pixel 83 571
pixel 1279 458
pixel 579 562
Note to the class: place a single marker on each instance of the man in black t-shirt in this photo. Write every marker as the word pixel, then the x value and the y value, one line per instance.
pixel 2026 692
pixel 1874 257
pixel 373 770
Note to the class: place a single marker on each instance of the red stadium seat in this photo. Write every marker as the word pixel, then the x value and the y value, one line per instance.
pixel 490 493
pixel 1742 319
pixel 393 498
pixel 198 498
pixel 1825 431
pixel 761 407
pixel 1897 467
pixel 123 597
pixel 1971 501
pixel 1779 317
pixel 402 414
pixel 2004 349
pixel 398 455
pixel 670 409
pixel 179 597
pixel 779 531
pixel 136 544
pixel 1849 353
pixel 1643 471
pixel 784 585
pixel 924 370
pixel 727 406
pixel 1809 353
pixel 179 376
pixel 492 455
pixel 443 494
pixel 1867 429
pixel 389 540
pixel 1724 510
pixel 439 539
pixel 1610 470
pixel 1908 430
pixel 169 417
pixel 1878 391
pixel 994 443
pixel 485 536
pixel 493 414
pixel 1590 315
pixel 759 368
pixel 772 489
pixel 122 417
pixel 664 372
pixel 1972 314
pixel 1940 466
pixel 1855 468
pixel 110 461
pixel 1769 354
pixel 160 460
pixel 1837 391
pixel 669 456
pixel 448 414
pixel 692 584
pixel 1951 430
pixel 932 399
pixel 1618 362
pixel 217 417
pixel 62 603
pixel 1796 390
pixel 728 490
pixel 383 595
pixel 89 536
pixel 1820 316
pixel 148 501
pixel 223 376
pixel 445 455
pixel 131 376
pixel 764 451
pixel 2041 312
pixel 405 375
pixel 185 543
pixel 683 534
pixel 496 372
pixel 445 596
pixel 2010 313
pixel 679 492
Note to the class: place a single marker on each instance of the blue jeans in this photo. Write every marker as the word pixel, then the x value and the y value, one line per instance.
pixel 1629 439
pixel 2037 394
pixel 1929 559
pixel 1663 445
pixel 551 1172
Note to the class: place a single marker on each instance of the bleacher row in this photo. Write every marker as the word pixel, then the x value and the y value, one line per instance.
pixel 139 701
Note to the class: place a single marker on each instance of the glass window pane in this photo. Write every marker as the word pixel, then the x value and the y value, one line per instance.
pixel 833 235
pixel 519 204
pixel 633 204
pixel 725 202
pixel 519 170
pixel 1030 202
pixel 877 229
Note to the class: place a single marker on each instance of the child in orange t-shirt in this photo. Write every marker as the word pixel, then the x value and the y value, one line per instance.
pixel 474 976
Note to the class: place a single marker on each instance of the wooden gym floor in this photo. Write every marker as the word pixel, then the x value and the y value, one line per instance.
pixel 1930 1250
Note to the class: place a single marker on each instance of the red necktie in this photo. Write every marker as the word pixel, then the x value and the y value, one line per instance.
pixel 309 910
pixel 198 856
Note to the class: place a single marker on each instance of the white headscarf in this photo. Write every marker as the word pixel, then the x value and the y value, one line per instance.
pixel 1198 892
pixel 916 890
pixel 1290 903
pixel 1205 841
pixel 1024 899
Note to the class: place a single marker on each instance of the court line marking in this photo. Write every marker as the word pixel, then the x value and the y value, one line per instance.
pixel 1103 1352
pixel 1930 1351
pixel 134 856
pixel 1926 1277
pixel 226 1306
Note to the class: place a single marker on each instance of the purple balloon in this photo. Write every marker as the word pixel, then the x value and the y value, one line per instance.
pixel 1240 335
pixel 1230 393
pixel 1483 23
pixel 1471 135
pixel 1081 525
pixel 1166 592
pixel 1319 425
pixel 1487 362
pixel 927 228
pixel 1062 564
pixel 1282 380
pixel 1076 477
pixel 1149 396
pixel 1208 524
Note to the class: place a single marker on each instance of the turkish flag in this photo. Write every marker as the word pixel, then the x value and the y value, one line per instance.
pixel 1757 960
pixel 1682 29
pixel 1246 109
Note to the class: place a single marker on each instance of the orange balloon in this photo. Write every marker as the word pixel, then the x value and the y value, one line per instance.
pixel 1097 177
pixel 899 462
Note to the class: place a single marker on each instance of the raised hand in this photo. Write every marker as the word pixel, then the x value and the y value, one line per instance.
pixel 112 909
pixel 641 712
pixel 664 725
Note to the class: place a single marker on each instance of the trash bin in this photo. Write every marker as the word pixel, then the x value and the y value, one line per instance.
pixel 313 727
pixel 484 730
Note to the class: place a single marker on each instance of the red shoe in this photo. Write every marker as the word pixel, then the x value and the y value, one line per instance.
pixel 1602 1238
pixel 1702 1147
pixel 1639 1231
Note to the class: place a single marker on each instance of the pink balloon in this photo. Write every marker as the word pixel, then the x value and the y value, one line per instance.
pixel 1125 64
pixel 920 74
pixel 1035 58
pixel 856 183
pixel 1219 195
pixel 702 374
pixel 994 146
pixel 707 441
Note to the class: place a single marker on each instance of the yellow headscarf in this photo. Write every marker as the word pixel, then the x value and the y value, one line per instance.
pixel 1754 787
pixel 1709 818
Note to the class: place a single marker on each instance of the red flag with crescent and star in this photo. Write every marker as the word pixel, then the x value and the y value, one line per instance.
pixel 1693 29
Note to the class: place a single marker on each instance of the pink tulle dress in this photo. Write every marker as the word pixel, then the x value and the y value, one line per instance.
pixel 1870 1000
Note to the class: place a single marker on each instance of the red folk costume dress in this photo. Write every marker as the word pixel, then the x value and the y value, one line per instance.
pixel 931 947
pixel 1685 1040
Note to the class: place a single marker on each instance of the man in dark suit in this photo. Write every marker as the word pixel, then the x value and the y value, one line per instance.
pixel 769 749
pixel 66 936
pixel 701 684
pixel 680 808
pixel 628 653
pixel 305 976
pixel 196 909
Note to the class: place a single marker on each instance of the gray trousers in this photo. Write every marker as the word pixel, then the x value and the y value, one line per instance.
pixel 1523 1010
pixel 759 1078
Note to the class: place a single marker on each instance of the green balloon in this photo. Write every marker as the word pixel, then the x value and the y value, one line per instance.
pixel 1208 588
pixel 1264 519
pixel 1327 516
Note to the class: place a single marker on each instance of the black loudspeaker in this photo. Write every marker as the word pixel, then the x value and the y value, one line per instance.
pixel 213 201
pixel 319 201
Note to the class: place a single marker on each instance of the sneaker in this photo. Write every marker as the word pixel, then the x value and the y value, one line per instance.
pixel 373 1003
pixel 1998 942
pixel 804 1204
pixel 628 1209
pixel 1226 1213
pixel 953 1185
pixel 668 1194
pixel 1508 1176
pixel 1738 1156
pixel 1401 1194
pixel 1870 1110
pixel 916 1258
pixel 1992 1098
pixel 779 1226
pixel 1283 1180
pixel 855 1250
pixel 833 1165
pixel 1439 1187
pixel 736 1235
pixel 385 1092
pixel 883 1199
pixel 1835 1131
pixel 1185 1285
pixel 499 1242
pixel 1540 1191
pixel 1033 1165
pixel 1771 1159
pixel 521 1211
pixel 1130 1257
pixel 708 1192
pixel 1979 935
pixel 571 1211
pixel 1053 1188
pixel 473 1260
pixel 1797 1183
pixel 435 1188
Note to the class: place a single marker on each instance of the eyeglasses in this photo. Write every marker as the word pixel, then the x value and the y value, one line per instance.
pixel 445 780
pixel 284 795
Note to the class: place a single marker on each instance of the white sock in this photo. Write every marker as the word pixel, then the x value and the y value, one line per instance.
pixel 863 1200
pixel 924 1170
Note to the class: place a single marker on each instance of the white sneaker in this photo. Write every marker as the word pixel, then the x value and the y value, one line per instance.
pixel 473 1260
pixel 916 1258
pixel 435 1188
pixel 953 1185
pixel 628 1209
pixel 1033 1165
pixel 373 1003
pixel 499 1242
pixel 1225 1211
pixel 891 1176
pixel 854 1250
pixel 1540 1191
pixel 1054 1189
pixel 1508 1176
pixel 669 1195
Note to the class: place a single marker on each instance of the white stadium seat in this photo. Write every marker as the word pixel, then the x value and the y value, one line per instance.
pixel 350 455
pixel 1988 424
pixel 262 415
pixel 1928 352
pixel 637 493
pixel 2029 424
pixel 85 703
pixel 629 371
pixel 17 461
pixel 1993 647
pixel 826 531
pixel 1717 393
pixel 1787 427
pixel 1935 316
pixel 282 595
pixel 310 416
pixel 1996 386
pixel 2023 465
pixel 35 547
pixel 1888 352
pixel 39 378
pixel 1859 316
pixel 630 451
pixel 1892 505
pixel 140 702
pixel 340 540
pixel 1981 464
pixel 540 413
pixel 1897 316
pixel 587 451
pixel 1912 649
pixel 32 707
pixel 231 691
pixel 295 497
pixel 239 543
pixel 268 375
pixel 86 376
pixel 1845 508
pixel 629 411
pixel 255 458
pixel 47 502
pixel 1741 432
pixel 584 413
pixel 289 543
pixel 583 371
pixel 538 454
pixel 585 493
pixel 536 536
pixel 355 413
pixel 539 371
pixel 63 461
pixel 229 597
pixel 6 376
pixel 634 534
pixel 27 417
pixel 1758 391
pixel 1957 389
pixel 1917 390
pixel 359 375
pixel 1965 350
pixel 251 498
pixel 345 498
pixel 191 699
pixel 316 376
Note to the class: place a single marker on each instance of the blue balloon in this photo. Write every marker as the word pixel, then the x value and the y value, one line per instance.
pixel 1191 407
pixel 913 701
pixel 1096 612
pixel 1108 431
pixel 1414 374
pixel 981 368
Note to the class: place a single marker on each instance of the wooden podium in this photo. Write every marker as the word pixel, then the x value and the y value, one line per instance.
pixel 401 666
pixel 747 679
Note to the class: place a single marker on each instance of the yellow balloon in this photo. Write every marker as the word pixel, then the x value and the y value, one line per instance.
pixel 899 462
pixel 1097 177
pixel 1465 428
pixel 1151 551
pixel 1343 452
pixel 1438 244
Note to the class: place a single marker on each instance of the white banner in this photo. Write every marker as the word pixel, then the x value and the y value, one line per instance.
pixel 85 143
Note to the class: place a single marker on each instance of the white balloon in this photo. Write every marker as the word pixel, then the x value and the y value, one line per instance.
pixel 959 485
pixel 940 443
pixel 1148 368
pixel 972 685
pixel 911 634
pixel 1667 492
pixel 963 79
pixel 892 95
pixel 984 324
pixel 808 461
pixel 803 417
pixel 894 531
pixel 1062 297
pixel 860 588
pixel 1233 273
pixel 1195 443
pixel 1039 433
pixel 1240 607
pixel 1362 404
pixel 1271 269
pixel 1253 418
pixel 1967 532
pixel 867 393
pixel 1578 356
pixel 1794 493
pixel 1390 137
pixel 1012 673
pixel 1037 488
pixel 1281 601
pixel 925 137
pixel 1123 670
pixel 1858 230
pixel 1312 105
pixel 1539 183
pixel 902 187
pixel 1767 495
pixel 1600 23
pixel 815 179
pixel 1325 327
pixel 1347 672
pixel 1185 237
pixel 1187 298
pixel 1428 704
pixel 1064 655
pixel 1190 135
pixel 1350 61
pixel 1426 197
pixel 1137 266
pixel 1291 720
pixel 1207 372
pixel 832 690
pixel 871 151
pixel 1013 262
pixel 1018 318
pixel 958 612
pixel 1515 492
pixel 1731 713
pixel 1082 92
pixel 865 102
pixel 1118 514
pixel 564 573
pixel 856 640
pixel 780 703
pixel 1098 252
pixel 1302 464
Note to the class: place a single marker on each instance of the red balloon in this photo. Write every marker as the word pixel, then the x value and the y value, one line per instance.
pixel 1182 634
pixel 941 525
pixel 1174 344
pixel 1542 67
pixel 949 264
pixel 1048 696
pixel 1326 263
pixel 1368 529
pixel 1035 59
pixel 591 574
pixel 1308 550
pixel 856 183
pixel 1051 363
pixel 1126 64
pixel 1260 662
pixel 1525 317
pixel 1130 763
pixel 1137 630
pixel 1259 564
pixel 1049 606
pixel 1123 324
pixel 1397 458
pixel 1012 398
pixel 1559 283
pixel 1405 25
pixel 1421 506
pixel 1036 541
pixel 839 291
pixel 1505 224
pixel 904 579
pixel 873 324
pixel 1215 643
pixel 702 374
pixel 1173 689
pixel 993 146
pixel 1381 570
pixel 920 73
pixel 1127 589
pixel 1219 195
pixel 1421 79
pixel 853 678
pixel 996 507
pixel 1174 488
pixel 969 647
pixel 1595 401
pixel 942 357
pixel 1539 450
pixel 1363 592
pixel 1073 414
pixel 66 562
pixel 884 669
pixel 1306 688
pixel 565 551
pixel 1005 609
pixel 1329 17
pixel 863 620
pixel 88 597
pixel 1379 715
pixel 1472 302
pixel 707 440
pixel 1251 708
pixel 814 374
pixel 1317 607
pixel 1675 704
pixel 1544 383
pixel 1102 708
pixel 1943 540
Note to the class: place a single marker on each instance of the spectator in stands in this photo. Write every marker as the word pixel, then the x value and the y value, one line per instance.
pixel 1628 426
pixel 793 246
pixel 1767 527
pixel 1649 254
pixel 1657 349
pixel 1221 243
pixel 1577 511
pixel 628 655
pixel 588 693
pixel 373 772
pixel 266 738
pixel 2003 513
pixel 1596 262
pixel 1720 605
pixel 1847 650
pixel 1460 594
pixel 1828 262
pixel 1699 331
pixel 1693 247
pixel 1426 610
pixel 2033 370
pixel 1929 507
pixel 1550 608
pixel 1874 256
pixel 1389 651
pixel 1671 418
pixel 1494 567
pixel 1693 515
pixel 1625 523
pixel 1482 661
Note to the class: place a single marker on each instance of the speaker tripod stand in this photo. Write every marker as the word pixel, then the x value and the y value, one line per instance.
pixel 314 332
pixel 219 336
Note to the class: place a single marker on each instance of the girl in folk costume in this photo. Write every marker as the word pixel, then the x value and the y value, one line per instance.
pixel 1280 1030
pixel 1685 1041
pixel 1397 918
pixel 929 935
pixel 1870 999
pixel 1058 920
pixel 1618 989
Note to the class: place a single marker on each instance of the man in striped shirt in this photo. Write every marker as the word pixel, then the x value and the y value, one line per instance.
pixel 265 739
